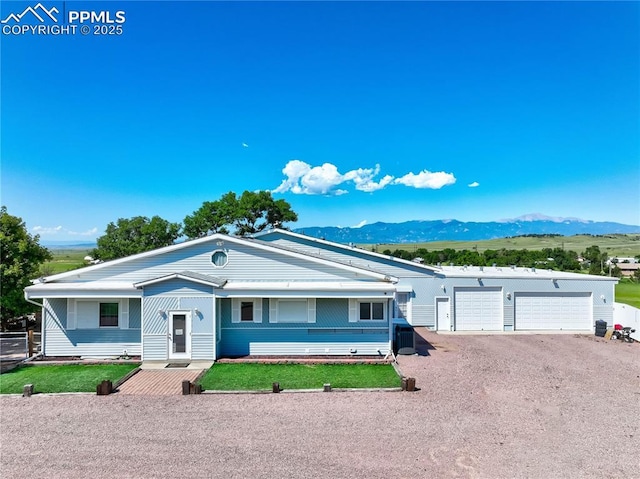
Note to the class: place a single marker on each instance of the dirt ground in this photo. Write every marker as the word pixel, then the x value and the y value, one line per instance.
pixel 489 406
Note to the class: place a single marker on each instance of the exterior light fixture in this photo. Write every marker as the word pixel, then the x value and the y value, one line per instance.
pixel 508 295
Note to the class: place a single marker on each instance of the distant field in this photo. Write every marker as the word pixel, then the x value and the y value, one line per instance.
pixel 65 260
pixel 614 245
pixel 628 293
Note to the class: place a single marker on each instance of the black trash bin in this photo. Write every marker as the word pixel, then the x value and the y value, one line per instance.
pixel 601 328
pixel 404 339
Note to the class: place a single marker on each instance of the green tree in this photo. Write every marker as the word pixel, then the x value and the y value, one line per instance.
pixel 258 210
pixel 135 235
pixel 616 271
pixel 596 259
pixel 22 256
pixel 211 217
pixel 250 213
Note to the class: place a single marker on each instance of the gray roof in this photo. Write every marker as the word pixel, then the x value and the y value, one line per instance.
pixel 290 249
pixel 189 275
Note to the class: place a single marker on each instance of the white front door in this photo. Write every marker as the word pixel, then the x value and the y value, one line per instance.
pixel 443 319
pixel 180 335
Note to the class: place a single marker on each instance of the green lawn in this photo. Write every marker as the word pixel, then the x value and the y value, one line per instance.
pixel 251 376
pixel 628 293
pixel 62 378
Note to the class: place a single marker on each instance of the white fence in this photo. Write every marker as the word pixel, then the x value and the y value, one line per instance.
pixel 626 315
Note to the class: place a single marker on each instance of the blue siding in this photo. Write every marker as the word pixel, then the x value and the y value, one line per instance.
pixel 330 313
pixel 155 347
pixel 154 322
pixel 178 287
pixel 331 334
pixel 202 346
pixel 246 263
pixel 135 313
pixel 243 342
pixel 201 322
pixel 156 325
pixel 98 343
pixel 55 312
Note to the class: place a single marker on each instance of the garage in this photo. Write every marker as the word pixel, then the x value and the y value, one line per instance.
pixel 478 309
pixel 553 311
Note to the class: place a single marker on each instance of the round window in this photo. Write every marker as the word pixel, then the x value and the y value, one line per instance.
pixel 219 258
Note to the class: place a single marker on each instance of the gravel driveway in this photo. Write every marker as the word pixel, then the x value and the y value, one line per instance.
pixel 494 406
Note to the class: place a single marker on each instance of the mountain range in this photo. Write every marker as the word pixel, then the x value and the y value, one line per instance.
pixel 452 230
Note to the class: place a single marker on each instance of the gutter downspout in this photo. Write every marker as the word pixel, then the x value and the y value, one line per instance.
pixel 42 323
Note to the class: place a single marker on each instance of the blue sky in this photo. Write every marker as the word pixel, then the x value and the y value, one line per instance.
pixel 352 112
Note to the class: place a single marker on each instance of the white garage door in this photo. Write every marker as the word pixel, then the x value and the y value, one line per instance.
pixel 548 311
pixel 478 309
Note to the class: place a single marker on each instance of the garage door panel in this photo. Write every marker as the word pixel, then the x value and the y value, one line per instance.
pixel 553 311
pixel 478 309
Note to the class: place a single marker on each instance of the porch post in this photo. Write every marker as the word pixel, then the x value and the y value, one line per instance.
pixel 215 327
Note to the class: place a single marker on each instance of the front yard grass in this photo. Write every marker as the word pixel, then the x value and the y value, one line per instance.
pixel 62 378
pixel 252 376
pixel 628 293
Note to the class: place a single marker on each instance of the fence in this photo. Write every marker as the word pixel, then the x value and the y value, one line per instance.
pixel 15 346
pixel 626 315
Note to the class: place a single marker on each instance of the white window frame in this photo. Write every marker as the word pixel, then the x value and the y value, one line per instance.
pixel 354 310
pixel 236 304
pixel 274 310
pixel 226 256
pixel 72 313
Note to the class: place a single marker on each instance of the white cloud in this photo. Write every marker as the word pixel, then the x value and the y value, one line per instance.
pixel 364 179
pixel 320 180
pixel 426 179
pixel 55 230
pixel 47 230
pixel 361 224
pixel 303 179
pixel 475 184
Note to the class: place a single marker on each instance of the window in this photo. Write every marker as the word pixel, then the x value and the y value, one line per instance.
pixel 371 311
pixel 246 311
pixel 85 313
pixel 108 315
pixel 402 300
pixel 219 259
pixel 292 310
